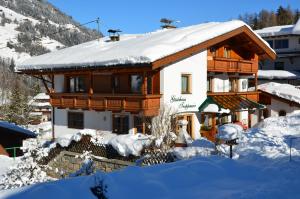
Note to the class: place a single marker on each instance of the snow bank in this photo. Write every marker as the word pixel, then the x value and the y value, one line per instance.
pixel 229 131
pixel 269 140
pixel 286 91
pixel 199 147
pixel 214 178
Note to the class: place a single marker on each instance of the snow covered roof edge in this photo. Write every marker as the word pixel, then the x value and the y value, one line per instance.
pixel 133 49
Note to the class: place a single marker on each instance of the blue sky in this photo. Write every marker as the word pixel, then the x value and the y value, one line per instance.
pixel 137 16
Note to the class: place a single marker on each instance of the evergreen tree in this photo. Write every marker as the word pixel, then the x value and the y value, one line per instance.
pixel 18 110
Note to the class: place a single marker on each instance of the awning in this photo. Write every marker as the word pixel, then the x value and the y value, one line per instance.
pixel 229 102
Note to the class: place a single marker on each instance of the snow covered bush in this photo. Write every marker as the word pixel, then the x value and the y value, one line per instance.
pixel 27 171
pixel 162 127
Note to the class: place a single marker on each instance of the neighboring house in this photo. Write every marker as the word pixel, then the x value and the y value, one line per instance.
pixel 12 136
pixel 279 76
pixel 40 108
pixel 280 99
pixel 286 42
pixel 119 85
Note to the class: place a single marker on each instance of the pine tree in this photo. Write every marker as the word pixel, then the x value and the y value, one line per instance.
pixel 18 110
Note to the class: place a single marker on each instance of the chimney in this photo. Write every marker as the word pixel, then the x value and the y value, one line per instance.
pixel 167 23
pixel 114 34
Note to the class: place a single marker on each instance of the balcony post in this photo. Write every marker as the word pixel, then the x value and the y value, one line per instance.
pixel 91 91
pixel 145 86
pixel 256 81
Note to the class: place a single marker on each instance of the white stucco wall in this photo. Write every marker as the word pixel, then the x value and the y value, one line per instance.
pixel 92 120
pixel 59 83
pixel 170 86
pixel 277 106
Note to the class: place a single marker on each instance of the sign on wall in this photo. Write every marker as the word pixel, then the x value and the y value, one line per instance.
pixel 182 102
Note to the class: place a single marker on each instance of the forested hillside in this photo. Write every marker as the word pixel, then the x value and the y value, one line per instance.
pixel 266 18
pixel 30 28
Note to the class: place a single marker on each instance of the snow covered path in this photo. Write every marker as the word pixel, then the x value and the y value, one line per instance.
pixel 213 177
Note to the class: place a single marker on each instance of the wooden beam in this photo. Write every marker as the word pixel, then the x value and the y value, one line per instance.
pixel 45 84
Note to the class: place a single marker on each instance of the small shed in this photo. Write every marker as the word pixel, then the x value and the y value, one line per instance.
pixel 12 136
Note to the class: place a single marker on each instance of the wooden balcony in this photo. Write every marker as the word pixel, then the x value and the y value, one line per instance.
pixel 218 64
pixel 134 103
pixel 251 95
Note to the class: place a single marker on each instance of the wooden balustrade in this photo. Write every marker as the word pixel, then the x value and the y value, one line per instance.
pixel 148 104
pixel 218 64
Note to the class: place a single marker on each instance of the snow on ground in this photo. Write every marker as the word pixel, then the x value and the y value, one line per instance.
pixel 213 178
pixel 147 47
pixel 261 170
pixel 286 91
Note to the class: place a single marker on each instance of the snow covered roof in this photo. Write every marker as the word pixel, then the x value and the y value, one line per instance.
pixel 278 74
pixel 285 91
pixel 41 96
pixel 133 49
pixel 280 30
pixel 16 128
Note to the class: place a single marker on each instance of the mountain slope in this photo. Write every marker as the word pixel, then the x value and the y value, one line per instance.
pixel 32 27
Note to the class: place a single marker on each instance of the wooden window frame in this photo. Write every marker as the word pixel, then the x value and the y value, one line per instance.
pixel 68 86
pixel 189 83
pixel 77 124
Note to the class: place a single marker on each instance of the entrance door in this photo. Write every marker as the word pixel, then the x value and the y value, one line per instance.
pixel 120 124
pixel 189 127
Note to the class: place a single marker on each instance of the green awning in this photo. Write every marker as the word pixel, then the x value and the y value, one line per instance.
pixel 233 103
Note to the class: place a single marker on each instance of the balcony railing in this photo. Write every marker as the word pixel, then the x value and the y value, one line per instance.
pixel 218 64
pixel 134 103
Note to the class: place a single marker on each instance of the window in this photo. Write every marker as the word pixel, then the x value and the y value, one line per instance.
pixel 281 43
pixel 279 65
pixel 271 43
pixel 77 84
pixel 149 85
pixel 136 83
pixel 186 84
pixel 244 85
pixel 226 52
pixel 299 41
pixel 213 51
pixel 209 89
pixel 75 120
pixel 282 113
pixel 121 124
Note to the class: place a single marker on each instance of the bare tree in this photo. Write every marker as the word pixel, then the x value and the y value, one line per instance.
pixel 162 127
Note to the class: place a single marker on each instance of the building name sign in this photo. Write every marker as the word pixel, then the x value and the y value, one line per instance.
pixel 182 102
